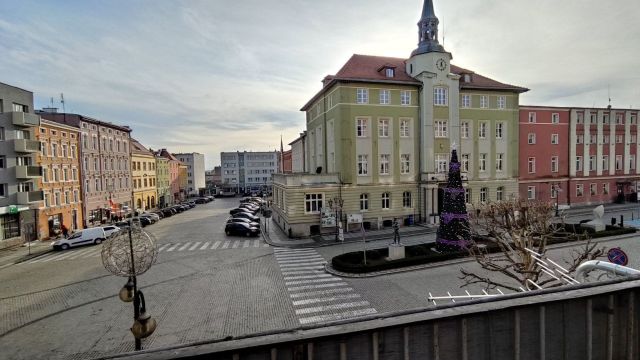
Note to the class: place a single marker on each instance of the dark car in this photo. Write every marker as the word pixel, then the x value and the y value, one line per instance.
pixel 246 215
pixel 201 201
pixel 240 210
pixel 243 220
pixel 191 203
pixel 211 198
pixel 166 212
pixel 241 229
pixel 252 208
pixel 144 221
pixel 159 213
pixel 178 208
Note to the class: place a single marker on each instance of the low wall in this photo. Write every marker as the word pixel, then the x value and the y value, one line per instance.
pixel 593 321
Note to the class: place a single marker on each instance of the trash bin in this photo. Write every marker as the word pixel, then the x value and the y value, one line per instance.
pixel 410 219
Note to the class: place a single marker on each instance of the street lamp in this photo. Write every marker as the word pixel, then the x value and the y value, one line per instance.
pixel 336 204
pixel 129 254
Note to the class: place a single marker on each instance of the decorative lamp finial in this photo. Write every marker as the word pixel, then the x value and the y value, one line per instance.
pixel 454 146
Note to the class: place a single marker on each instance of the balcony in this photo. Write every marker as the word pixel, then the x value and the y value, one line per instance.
pixel 23 119
pixel 305 179
pixel 29 197
pixel 28 172
pixel 26 146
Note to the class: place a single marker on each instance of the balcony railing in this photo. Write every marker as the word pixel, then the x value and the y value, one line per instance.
pixel 305 179
pixel 28 172
pixel 26 146
pixel 23 119
pixel 29 197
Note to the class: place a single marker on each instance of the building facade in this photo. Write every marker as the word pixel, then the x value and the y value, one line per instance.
pixel 195 172
pixel 105 155
pixel 597 152
pixel 183 182
pixel 248 170
pixel 20 195
pixel 379 136
pixel 143 173
pixel 174 175
pixel 298 154
pixel 164 182
pixel 61 183
pixel 213 178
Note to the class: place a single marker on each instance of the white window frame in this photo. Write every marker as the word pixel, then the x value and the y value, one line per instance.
pixel 466 101
pixel 384 164
pixel 383 128
pixel 441 163
pixel 405 164
pixel 441 130
pixel 364 202
pixel 579 190
pixel 555 118
pixel 499 130
pixel 531 138
pixel 464 130
pixel 578 163
pixel 592 163
pixel 482 164
pixel 385 96
pixel 362 96
pixel 484 101
pixel 605 162
pixel 405 128
pixel 555 139
pixel 619 163
pixel 483 194
pixel 531 192
pixel 313 203
pixel 605 188
pixel 499 162
pixel 593 189
pixel 362 127
pixel 464 161
pixel 482 129
pixel 532 117
pixel 363 164
pixel 554 164
pixel 531 165
pixel 440 96
pixel 405 97
pixel 502 102
pixel 386 200
pixel 407 200
pixel 500 193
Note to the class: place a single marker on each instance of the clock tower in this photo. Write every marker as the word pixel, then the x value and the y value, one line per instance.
pixel 430 64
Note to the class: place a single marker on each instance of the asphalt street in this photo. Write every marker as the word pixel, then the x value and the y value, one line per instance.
pixel 206 286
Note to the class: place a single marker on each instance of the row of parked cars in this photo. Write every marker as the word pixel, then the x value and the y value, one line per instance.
pixel 97 235
pixel 244 219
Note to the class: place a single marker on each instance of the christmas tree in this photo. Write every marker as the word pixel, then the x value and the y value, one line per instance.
pixel 453 232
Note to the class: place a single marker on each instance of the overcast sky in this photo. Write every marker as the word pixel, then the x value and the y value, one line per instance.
pixel 226 75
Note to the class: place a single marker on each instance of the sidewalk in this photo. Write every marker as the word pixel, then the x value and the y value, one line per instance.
pixel 274 236
pixel 20 253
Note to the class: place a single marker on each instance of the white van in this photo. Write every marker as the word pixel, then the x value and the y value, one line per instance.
pixel 94 235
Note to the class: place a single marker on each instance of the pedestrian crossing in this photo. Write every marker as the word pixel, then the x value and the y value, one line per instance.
pixel 316 296
pixel 94 251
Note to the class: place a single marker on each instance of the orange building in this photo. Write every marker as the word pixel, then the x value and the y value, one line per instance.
pixel 60 179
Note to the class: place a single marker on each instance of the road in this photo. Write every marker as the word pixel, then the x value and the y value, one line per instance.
pixel 204 286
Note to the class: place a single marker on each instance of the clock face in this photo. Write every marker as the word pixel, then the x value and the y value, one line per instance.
pixel 441 64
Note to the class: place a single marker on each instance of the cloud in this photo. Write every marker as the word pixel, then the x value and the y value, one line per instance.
pixel 214 75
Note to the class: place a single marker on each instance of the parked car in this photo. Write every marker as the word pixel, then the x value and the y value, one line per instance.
pixel 151 215
pixel 110 230
pixel 210 197
pixel 246 215
pixel 252 209
pixel 239 210
pixel 178 208
pixel 159 213
pixel 94 235
pixel 151 219
pixel 168 212
pixel 144 221
pixel 241 229
pixel 201 201
pixel 243 220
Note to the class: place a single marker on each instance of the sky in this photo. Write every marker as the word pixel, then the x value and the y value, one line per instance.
pixel 226 75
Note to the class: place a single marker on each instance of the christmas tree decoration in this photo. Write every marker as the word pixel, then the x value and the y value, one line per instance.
pixel 453 232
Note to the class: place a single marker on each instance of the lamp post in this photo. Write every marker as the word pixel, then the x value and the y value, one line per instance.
pixel 129 254
pixel 336 204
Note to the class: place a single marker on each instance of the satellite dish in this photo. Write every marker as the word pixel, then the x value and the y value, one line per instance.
pixel 319 170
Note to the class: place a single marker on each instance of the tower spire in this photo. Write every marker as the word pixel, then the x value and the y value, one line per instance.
pixel 428 31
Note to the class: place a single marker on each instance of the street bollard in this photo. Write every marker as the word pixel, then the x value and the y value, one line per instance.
pixel 621 220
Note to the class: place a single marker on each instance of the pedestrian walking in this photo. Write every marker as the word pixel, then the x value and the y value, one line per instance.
pixel 65 231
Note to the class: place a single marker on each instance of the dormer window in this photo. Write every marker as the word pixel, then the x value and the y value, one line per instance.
pixel 390 72
pixel 467 78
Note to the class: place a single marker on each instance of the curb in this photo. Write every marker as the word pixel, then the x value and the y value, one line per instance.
pixel 328 268
pixel 27 258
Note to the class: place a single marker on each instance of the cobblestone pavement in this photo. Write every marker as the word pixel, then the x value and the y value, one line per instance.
pixel 69 309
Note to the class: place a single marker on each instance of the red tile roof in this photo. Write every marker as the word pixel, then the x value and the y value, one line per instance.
pixel 367 68
pixel 138 148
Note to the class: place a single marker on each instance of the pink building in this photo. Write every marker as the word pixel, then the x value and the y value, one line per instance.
pixel 174 174
pixel 588 155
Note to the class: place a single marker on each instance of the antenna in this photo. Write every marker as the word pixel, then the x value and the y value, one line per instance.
pixel 62 102
pixel 443 31
pixel 52 101
pixel 609 95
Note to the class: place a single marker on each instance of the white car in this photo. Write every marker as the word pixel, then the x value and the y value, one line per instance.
pixel 110 230
pixel 94 235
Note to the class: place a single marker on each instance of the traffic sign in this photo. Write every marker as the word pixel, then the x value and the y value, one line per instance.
pixel 617 256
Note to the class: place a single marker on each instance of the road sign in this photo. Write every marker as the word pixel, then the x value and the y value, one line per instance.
pixel 617 256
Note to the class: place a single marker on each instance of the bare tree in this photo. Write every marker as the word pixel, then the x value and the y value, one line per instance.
pixel 513 226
